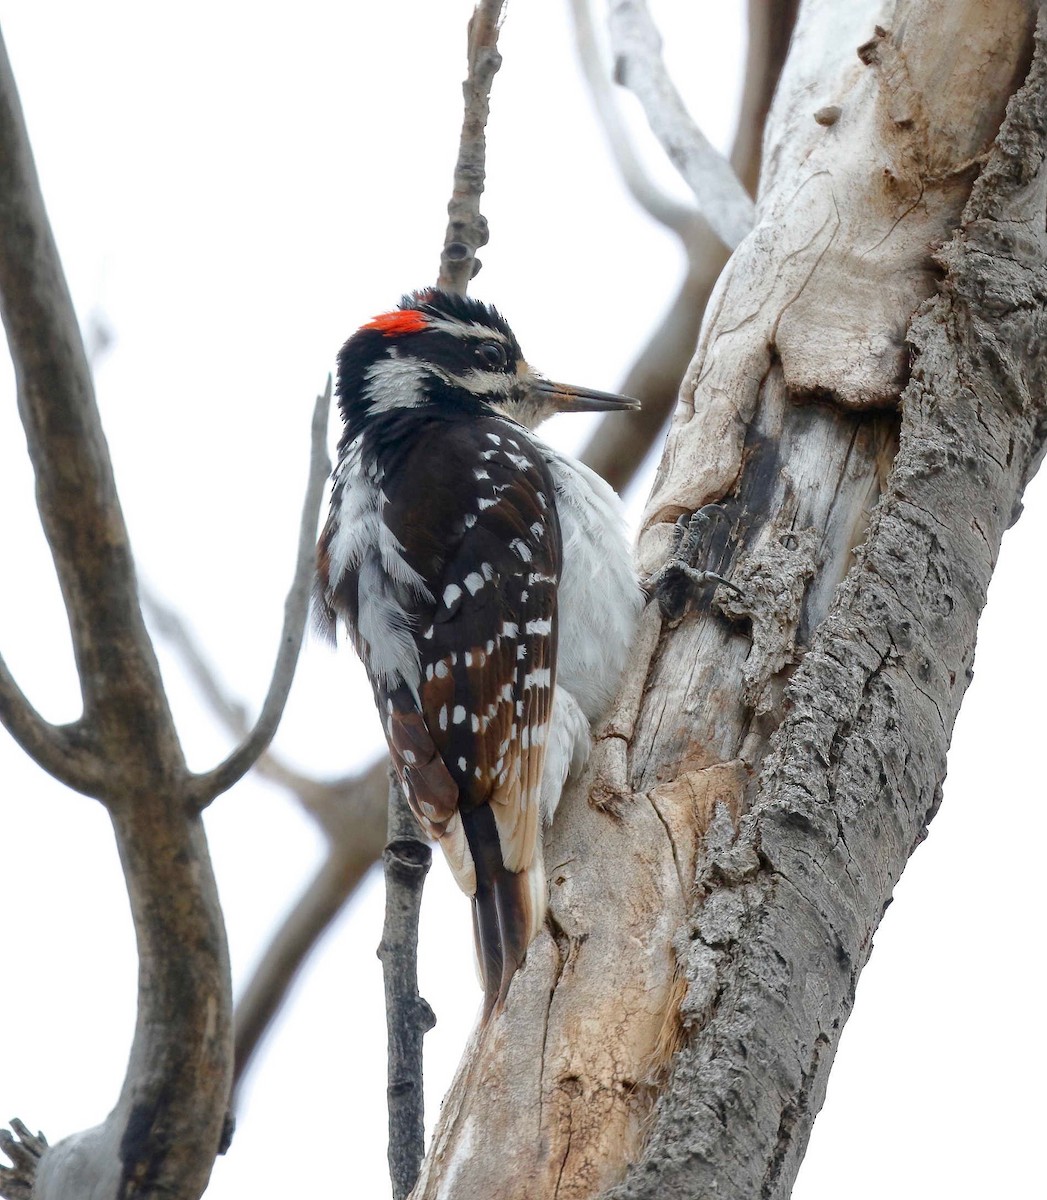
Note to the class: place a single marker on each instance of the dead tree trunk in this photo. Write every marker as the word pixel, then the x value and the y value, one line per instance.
pixel 865 406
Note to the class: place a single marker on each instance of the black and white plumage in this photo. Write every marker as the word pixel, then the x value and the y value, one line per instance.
pixel 486 583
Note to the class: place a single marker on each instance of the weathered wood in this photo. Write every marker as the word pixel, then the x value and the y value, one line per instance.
pixel 721 864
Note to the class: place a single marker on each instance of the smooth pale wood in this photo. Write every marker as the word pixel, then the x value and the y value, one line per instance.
pixel 849 215
pixel 791 425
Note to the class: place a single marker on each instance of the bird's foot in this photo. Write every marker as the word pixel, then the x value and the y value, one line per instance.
pixel 698 539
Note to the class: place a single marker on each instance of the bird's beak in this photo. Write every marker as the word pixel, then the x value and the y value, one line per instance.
pixel 561 397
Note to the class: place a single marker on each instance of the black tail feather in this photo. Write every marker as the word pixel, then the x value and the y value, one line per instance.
pixel 504 916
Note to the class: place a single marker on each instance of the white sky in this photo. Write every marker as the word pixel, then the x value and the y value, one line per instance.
pixel 235 189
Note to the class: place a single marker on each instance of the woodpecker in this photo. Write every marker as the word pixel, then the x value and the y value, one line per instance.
pixel 486 582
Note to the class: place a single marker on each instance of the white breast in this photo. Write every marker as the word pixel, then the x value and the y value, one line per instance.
pixel 599 599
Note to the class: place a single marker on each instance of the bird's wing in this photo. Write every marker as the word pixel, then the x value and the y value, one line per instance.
pixel 468 739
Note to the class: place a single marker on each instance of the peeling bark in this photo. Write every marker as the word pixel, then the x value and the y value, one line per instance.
pixel 753 800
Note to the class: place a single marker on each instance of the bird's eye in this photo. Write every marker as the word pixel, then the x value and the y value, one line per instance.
pixel 491 354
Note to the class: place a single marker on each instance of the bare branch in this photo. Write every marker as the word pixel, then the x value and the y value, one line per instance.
pixel 467 227
pixel 408 1017
pixel 618 447
pixel 660 205
pixel 363 808
pixel 296 610
pixel 721 197
pixel 76 493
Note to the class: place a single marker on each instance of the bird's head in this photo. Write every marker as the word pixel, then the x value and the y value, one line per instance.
pixel 452 354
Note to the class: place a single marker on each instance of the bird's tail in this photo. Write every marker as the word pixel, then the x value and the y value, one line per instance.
pixel 508 906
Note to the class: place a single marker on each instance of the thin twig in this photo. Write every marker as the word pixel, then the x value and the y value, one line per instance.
pixel 722 200
pixel 406 859
pixel 296 610
pixel 331 803
pixel 467 226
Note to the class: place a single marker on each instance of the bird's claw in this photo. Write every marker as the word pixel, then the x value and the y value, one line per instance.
pixel 681 573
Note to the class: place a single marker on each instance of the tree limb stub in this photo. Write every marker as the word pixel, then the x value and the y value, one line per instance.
pixel 781 863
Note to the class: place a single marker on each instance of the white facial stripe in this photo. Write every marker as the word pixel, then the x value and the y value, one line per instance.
pixel 394 382
pixel 468 329
pixel 482 383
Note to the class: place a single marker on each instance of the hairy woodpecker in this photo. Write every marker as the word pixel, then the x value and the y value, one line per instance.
pixel 486 583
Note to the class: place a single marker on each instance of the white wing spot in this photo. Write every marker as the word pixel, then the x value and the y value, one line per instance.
pixel 458 717
pixel 541 626
pixel 474 581
pixel 480 473
pixel 443 716
pixel 451 593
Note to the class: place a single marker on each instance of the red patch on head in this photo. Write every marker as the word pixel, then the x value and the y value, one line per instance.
pixel 395 323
